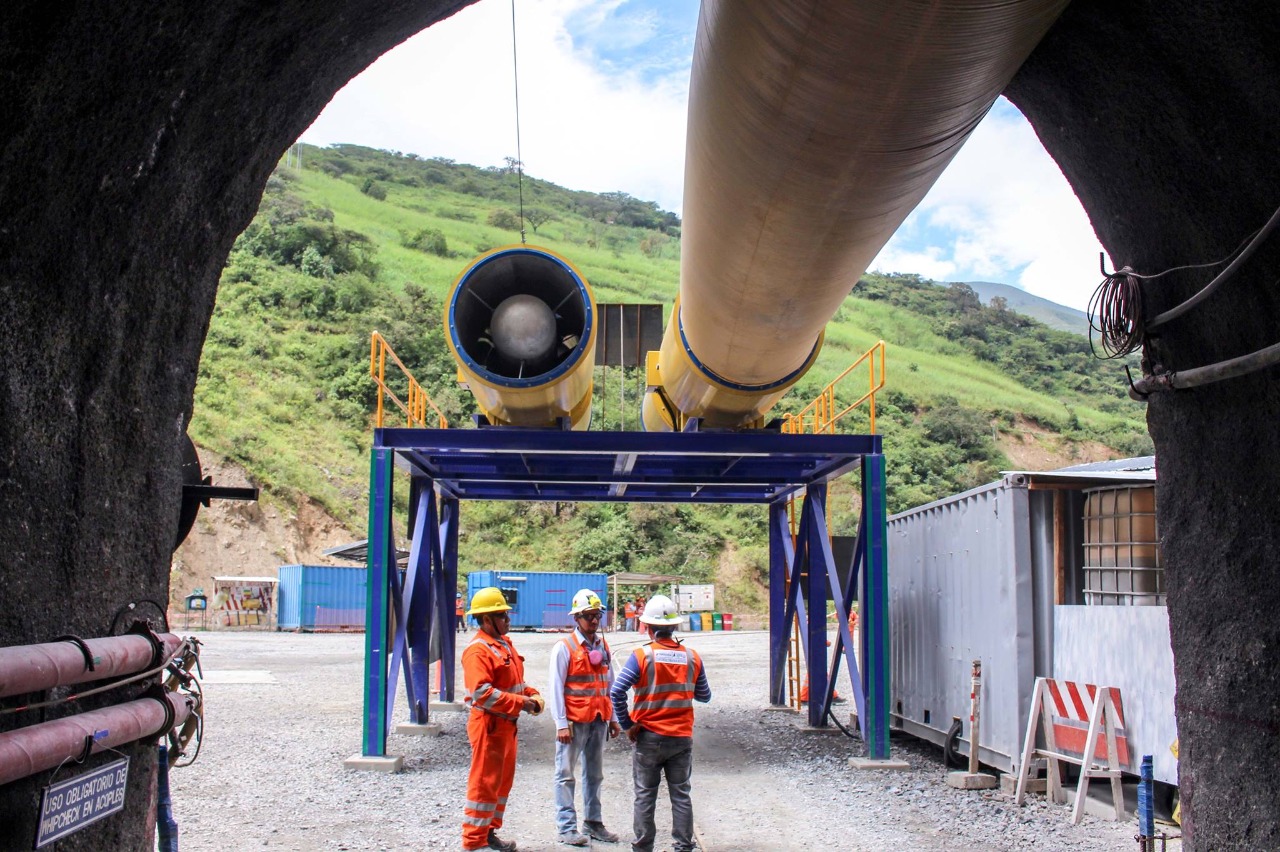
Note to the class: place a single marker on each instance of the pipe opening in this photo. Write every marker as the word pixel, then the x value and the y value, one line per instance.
pixel 519 315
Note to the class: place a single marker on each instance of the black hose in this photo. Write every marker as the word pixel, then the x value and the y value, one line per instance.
pixel 950 754
pixel 843 729
pixel 1230 369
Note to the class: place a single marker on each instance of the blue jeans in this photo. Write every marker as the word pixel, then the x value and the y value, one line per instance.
pixel 655 755
pixel 588 741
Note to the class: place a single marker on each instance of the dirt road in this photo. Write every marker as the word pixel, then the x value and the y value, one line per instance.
pixel 284 711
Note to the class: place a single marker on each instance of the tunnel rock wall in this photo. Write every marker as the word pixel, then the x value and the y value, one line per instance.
pixel 136 142
pixel 1163 118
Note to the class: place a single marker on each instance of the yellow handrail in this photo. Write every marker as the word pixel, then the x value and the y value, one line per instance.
pixel 820 416
pixel 417 402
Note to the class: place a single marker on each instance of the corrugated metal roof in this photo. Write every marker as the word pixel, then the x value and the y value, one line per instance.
pixel 1138 469
pixel 358 552
pixel 1089 476
pixel 1133 464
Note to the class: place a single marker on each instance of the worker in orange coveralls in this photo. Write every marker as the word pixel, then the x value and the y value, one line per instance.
pixel 497 694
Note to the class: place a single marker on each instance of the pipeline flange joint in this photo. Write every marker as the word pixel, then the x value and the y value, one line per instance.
pixel 143 628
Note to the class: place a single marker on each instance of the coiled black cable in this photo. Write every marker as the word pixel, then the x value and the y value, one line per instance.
pixel 1116 310
pixel 1116 314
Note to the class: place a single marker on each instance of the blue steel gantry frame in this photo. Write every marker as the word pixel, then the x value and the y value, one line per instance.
pixel 410 620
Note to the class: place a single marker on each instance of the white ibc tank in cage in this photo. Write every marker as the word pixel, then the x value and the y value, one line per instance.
pixel 1121 548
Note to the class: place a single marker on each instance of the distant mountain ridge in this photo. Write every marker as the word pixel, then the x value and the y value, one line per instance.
pixel 1050 313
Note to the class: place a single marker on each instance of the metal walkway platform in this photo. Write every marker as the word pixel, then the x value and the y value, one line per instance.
pixel 631 467
pixel 448 466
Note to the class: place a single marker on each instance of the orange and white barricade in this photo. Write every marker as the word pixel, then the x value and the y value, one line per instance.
pixel 1082 724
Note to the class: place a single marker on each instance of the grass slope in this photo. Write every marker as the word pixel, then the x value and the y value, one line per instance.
pixel 362 240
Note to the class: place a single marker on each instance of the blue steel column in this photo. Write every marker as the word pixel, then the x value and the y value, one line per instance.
pixel 451 516
pixel 381 566
pixel 420 596
pixel 875 607
pixel 815 507
pixel 779 629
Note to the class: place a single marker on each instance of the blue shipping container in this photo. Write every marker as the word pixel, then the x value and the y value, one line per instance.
pixel 321 597
pixel 540 600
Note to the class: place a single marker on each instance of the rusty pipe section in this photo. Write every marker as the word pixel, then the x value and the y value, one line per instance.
pixel 815 128
pixel 32 668
pixel 521 324
pixel 36 748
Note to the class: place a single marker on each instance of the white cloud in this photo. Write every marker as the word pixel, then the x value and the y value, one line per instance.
pixel 930 263
pixel 449 92
pixel 1004 212
pixel 603 94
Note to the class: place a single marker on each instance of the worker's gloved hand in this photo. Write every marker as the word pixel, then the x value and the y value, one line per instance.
pixel 564 735
pixel 534 705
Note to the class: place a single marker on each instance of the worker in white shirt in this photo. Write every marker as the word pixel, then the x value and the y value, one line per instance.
pixel 578 684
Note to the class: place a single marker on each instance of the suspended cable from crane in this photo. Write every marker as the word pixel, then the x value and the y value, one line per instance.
pixel 515 79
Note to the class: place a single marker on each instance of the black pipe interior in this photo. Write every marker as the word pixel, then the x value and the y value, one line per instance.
pixel 518 273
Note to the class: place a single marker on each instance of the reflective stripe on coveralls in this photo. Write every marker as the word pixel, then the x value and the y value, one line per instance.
pixel 664 690
pixel 496 690
pixel 586 687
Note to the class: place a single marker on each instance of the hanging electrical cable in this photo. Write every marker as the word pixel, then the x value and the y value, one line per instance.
pixel 1117 313
pixel 1254 243
pixel 515 78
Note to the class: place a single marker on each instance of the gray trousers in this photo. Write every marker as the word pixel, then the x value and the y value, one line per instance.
pixel 588 741
pixel 654 755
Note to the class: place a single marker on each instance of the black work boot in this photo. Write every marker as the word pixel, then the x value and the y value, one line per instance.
pixel 496 842
pixel 597 831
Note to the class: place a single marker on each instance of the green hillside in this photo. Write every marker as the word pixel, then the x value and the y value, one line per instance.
pixel 1016 299
pixel 359 240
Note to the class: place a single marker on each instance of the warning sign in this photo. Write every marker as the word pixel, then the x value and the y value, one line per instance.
pixel 70 805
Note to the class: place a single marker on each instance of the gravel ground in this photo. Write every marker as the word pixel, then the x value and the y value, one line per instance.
pixel 270 772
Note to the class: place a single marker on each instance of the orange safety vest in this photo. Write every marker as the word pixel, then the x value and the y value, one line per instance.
pixel 629 610
pixel 494 676
pixel 664 690
pixel 586 687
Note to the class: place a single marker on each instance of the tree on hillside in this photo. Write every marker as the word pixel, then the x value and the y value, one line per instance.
pixel 537 216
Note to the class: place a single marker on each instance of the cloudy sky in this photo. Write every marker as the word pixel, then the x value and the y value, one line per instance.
pixel 603 89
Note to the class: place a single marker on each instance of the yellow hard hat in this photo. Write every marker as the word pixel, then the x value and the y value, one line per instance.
pixel 489 599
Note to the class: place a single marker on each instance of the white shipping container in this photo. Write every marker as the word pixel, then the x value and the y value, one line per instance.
pixel 696 598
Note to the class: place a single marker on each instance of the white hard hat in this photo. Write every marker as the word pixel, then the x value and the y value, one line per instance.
pixel 585 600
pixel 660 611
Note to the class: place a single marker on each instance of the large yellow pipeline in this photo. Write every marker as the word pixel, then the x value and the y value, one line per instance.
pixel 521 325
pixel 815 128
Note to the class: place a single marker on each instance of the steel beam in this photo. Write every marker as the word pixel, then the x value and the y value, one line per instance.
pixel 779 627
pixel 816 553
pixel 875 607
pixel 381 568
pixel 450 517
